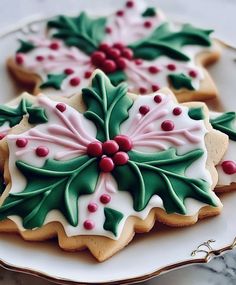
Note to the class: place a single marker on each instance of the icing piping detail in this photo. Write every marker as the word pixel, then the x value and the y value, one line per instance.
pixel 66 176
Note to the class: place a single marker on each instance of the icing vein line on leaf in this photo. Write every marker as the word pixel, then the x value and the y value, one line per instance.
pixel 67 178
pixel 82 31
pixel 224 123
pixel 107 106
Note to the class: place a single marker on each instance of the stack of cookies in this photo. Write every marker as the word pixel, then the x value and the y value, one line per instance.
pixel 110 141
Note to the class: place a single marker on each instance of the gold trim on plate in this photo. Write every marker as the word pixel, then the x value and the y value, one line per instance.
pixel 204 247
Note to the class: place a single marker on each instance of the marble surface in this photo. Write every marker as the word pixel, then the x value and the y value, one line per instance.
pixel 221 270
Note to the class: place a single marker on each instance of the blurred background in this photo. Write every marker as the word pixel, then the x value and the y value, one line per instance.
pixel 217 14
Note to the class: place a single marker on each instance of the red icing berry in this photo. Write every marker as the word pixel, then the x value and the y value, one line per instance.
pixel 61 107
pixel 120 13
pixel 193 73
pixel 87 74
pixel 2 136
pixel 138 61
pixel 42 151
pixel 120 158
pixel 109 66
pixel 153 69
pixel 158 98
pixel 177 111
pixel 108 30
pixel 104 47
pixel 229 167
pixel 19 58
pixel 75 81
pixel 39 58
pixel 124 142
pixel 121 63
pixel 106 164
pixel 130 4
pixel 89 225
pixel 105 198
pixel 21 142
pixel 110 147
pixel 68 71
pixel 127 53
pixel 113 53
pixel 167 125
pixel 98 57
pixel 118 45
pixel 142 90
pixel 155 87
pixel 95 149
pixel 144 109
pixel 54 46
pixel 171 66
pixel 147 24
pixel 92 207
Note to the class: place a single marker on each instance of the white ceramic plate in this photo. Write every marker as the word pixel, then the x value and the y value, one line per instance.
pixel 149 254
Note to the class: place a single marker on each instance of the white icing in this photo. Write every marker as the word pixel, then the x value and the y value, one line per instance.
pixel 126 29
pixel 4 128
pixel 197 169
pixel 120 201
pixel 224 178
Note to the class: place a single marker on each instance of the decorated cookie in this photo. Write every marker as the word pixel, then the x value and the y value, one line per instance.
pixel 135 45
pixel 95 175
pixel 226 123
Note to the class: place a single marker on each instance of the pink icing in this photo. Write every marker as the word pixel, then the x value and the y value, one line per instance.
pixel 69 134
pixel 143 133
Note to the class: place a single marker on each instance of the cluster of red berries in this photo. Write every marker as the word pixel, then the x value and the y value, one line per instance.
pixel 111 152
pixel 111 58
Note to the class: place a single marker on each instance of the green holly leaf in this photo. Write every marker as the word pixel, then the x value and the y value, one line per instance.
pixel 37 115
pixel 107 106
pixel 2 184
pixel 117 77
pixel 162 174
pixel 225 123
pixel 82 31
pixel 112 220
pixel 54 81
pixel 196 113
pixel 13 115
pixel 164 41
pixel 55 185
pixel 25 46
pixel 149 12
pixel 181 80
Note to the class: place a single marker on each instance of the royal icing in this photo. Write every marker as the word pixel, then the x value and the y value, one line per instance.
pixel 11 115
pixel 226 123
pixel 120 158
pixel 136 45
